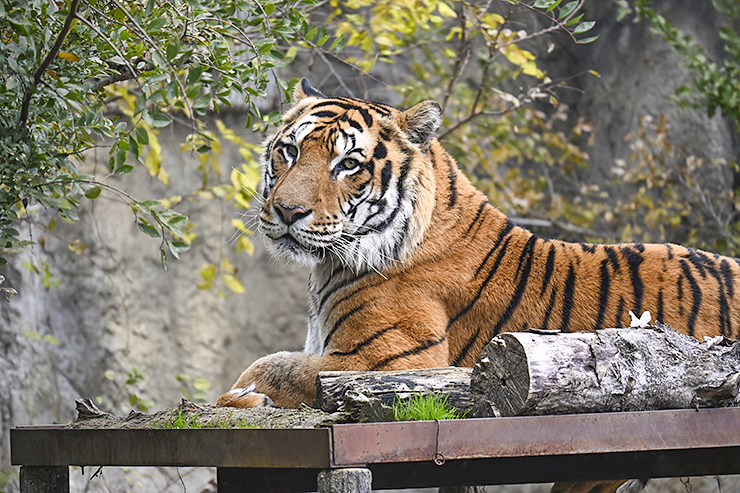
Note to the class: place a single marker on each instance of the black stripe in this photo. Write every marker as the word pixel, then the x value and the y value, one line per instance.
pixel 698 261
pixel 324 114
pixel 729 278
pixel 477 217
pixel 504 231
pixel 696 294
pixel 550 306
pixel 400 188
pixel 620 311
pixel 380 151
pixel 366 116
pixel 523 269
pixel 603 294
pixel 466 349
pixel 549 269
pixel 570 286
pixel 612 257
pixel 364 343
pixel 418 349
pixel 340 321
pixel 634 259
pixel 725 325
pixel 349 295
pixel 452 174
pixel 483 285
pixel 588 247
pixel 660 317
pixel 385 176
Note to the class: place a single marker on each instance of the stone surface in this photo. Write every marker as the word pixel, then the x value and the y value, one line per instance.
pixel 349 480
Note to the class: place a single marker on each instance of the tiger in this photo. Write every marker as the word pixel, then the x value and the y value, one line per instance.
pixel 410 266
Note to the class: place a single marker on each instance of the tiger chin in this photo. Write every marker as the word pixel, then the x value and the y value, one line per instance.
pixel 412 267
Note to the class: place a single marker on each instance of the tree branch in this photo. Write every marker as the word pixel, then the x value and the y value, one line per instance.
pixel 25 106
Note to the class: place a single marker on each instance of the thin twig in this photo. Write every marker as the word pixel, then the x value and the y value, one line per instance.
pixel 131 71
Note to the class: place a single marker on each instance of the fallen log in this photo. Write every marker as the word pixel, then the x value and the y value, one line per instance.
pixel 610 370
pixel 388 386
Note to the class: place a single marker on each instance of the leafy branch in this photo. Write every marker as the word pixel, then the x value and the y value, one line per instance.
pixel 53 52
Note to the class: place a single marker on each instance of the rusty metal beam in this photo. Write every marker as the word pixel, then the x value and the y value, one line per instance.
pixel 475 451
pixel 537 436
pixel 289 448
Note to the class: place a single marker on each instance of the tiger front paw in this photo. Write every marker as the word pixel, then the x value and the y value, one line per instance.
pixel 244 398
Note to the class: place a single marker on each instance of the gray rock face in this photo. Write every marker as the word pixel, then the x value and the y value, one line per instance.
pixel 115 307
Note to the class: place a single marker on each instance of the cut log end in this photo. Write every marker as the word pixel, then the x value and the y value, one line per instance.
pixel 500 379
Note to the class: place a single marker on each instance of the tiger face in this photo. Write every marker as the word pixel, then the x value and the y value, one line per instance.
pixel 348 181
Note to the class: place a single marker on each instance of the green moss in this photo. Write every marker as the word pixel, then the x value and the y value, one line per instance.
pixel 179 420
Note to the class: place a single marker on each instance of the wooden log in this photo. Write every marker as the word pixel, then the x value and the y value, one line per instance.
pixel 388 386
pixel 537 373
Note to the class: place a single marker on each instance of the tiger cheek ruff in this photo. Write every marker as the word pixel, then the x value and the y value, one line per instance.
pixel 412 267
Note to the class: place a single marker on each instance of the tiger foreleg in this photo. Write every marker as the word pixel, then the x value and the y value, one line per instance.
pixel 285 379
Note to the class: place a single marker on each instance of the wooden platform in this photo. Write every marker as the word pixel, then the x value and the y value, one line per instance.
pixel 405 454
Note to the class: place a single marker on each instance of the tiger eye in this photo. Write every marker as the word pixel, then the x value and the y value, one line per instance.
pixel 292 151
pixel 350 163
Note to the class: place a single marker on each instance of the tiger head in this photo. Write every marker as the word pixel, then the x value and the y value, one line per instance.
pixel 348 181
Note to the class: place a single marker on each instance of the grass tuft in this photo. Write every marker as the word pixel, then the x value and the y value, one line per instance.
pixel 429 407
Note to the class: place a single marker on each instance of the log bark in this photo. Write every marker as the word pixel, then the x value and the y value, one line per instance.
pixel 610 370
pixel 387 386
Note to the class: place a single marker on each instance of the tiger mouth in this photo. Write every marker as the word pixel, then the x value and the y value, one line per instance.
pixel 292 246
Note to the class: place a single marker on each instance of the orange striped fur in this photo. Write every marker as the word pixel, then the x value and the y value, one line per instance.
pixel 412 267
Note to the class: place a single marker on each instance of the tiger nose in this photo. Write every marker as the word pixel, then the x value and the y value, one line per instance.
pixel 290 214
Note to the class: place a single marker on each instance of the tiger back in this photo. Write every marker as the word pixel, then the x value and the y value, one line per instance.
pixel 412 267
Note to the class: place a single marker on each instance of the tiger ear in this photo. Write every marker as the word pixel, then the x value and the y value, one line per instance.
pixel 304 90
pixel 421 122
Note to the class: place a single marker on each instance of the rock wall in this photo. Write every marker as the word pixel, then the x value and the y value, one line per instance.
pixel 115 307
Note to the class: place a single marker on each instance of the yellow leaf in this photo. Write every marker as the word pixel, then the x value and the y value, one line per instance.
pixel 208 271
pixel 238 224
pixel 163 176
pixel 449 53
pixel 445 10
pixel 228 267
pixel 244 244
pixel 68 56
pixel 233 283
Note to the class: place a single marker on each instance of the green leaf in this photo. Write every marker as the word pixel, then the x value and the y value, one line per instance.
pixel 147 228
pixel 583 27
pixel 142 136
pixel 201 383
pixel 567 9
pixel 177 247
pixel 140 104
pixel 574 20
pixel 338 44
pixel 163 257
pixel 160 120
pixel 312 33
pixel 587 40
pixel 93 193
